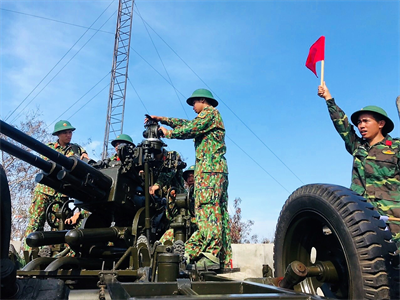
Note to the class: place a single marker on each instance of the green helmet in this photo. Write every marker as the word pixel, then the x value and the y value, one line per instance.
pixel 375 109
pixel 202 93
pixel 62 125
pixel 124 138
pixel 187 171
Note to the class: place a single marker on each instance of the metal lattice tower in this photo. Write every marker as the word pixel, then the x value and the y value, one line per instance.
pixel 119 74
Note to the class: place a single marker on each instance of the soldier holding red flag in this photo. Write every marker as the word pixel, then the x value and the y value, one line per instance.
pixel 376 157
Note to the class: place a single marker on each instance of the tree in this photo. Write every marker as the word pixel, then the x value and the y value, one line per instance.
pixel 241 230
pixel 21 175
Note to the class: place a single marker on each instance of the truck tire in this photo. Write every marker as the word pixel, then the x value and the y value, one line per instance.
pixel 321 222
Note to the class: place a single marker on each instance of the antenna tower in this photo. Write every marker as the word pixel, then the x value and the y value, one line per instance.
pixel 119 74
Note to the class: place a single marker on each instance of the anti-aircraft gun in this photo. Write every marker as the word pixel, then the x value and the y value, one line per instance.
pixel 327 236
pixel 116 195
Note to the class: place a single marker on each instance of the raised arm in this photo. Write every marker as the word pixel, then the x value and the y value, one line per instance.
pixel 340 120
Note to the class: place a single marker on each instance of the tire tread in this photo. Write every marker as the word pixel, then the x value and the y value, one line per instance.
pixel 368 233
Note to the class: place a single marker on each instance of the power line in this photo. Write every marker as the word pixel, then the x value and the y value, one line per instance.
pixel 259 165
pixel 162 62
pixel 55 120
pixel 137 94
pixel 90 100
pixel 54 20
pixel 154 69
pixel 48 73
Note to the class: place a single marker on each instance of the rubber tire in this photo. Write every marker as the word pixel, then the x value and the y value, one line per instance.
pixel 5 209
pixel 366 251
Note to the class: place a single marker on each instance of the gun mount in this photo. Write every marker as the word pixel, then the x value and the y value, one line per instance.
pixel 117 252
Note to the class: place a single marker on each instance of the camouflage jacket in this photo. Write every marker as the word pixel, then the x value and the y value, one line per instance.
pixel 208 132
pixel 167 178
pixel 68 150
pixel 376 168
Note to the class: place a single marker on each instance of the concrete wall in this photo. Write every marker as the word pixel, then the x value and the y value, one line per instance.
pixel 16 244
pixel 250 258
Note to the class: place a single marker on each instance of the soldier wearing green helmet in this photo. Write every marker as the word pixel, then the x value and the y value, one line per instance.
pixel 61 126
pixel 188 176
pixel 210 245
pixel 44 195
pixel 376 157
pixel 120 139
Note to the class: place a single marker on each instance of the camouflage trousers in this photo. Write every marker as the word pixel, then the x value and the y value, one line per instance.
pixel 389 208
pixel 37 212
pixel 212 218
pixel 167 236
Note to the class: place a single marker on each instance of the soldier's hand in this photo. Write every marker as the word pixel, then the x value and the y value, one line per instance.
pixel 84 155
pixel 154 118
pixel 323 92
pixel 164 130
pixel 153 189
pixel 73 219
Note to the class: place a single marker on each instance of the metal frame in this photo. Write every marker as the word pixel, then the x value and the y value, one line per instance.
pixel 119 74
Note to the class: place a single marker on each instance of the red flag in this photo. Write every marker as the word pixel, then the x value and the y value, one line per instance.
pixel 317 53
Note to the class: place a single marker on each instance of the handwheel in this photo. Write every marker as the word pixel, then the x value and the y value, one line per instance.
pixel 57 209
pixel 171 206
pixel 67 212
pixel 51 212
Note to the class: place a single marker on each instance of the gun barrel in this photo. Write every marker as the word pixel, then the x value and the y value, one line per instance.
pixel 76 237
pixel 34 144
pixel 62 188
pixel 88 173
pixel 26 156
pixel 76 183
pixel 41 238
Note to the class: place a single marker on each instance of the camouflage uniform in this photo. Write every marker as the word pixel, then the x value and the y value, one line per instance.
pixel 44 195
pixel 167 178
pixel 376 169
pixel 211 183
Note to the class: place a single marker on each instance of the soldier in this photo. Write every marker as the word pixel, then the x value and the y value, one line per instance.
pixel 167 178
pixel 212 241
pixel 121 139
pixel 188 177
pixel 376 163
pixel 44 195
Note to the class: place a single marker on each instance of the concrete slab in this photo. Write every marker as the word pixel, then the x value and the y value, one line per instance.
pixel 16 244
pixel 250 258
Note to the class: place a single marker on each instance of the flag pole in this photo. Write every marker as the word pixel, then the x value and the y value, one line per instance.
pixel 322 71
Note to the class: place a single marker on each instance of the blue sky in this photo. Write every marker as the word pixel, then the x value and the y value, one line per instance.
pixel 251 54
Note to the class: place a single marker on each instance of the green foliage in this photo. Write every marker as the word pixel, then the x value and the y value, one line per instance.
pixel 241 230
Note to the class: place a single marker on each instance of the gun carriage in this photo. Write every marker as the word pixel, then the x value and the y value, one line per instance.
pixel 117 250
